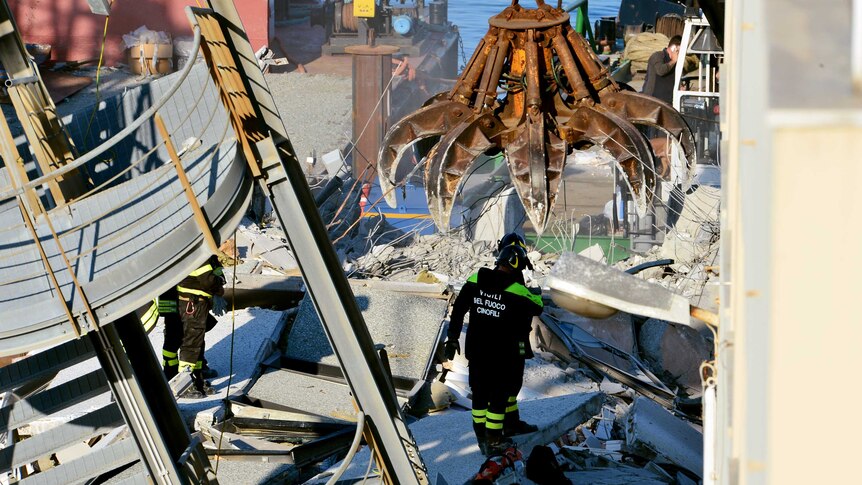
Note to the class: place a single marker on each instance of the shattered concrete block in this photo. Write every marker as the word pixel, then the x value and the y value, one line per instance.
pixel 334 162
pixel 497 217
pixel 605 425
pixel 674 352
pixel 693 235
pixel 616 330
pixel 653 431
pixel 594 252
pixel 407 324
pixel 448 446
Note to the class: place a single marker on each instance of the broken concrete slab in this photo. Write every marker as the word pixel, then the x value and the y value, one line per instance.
pixel 696 231
pixel 576 344
pixel 606 424
pixel 408 325
pixel 428 290
pixel 255 333
pixel 616 330
pixel 288 390
pixel 294 391
pixel 653 431
pixel 594 252
pixel 575 279
pixel 615 476
pixel 254 472
pixel 497 216
pixel 675 353
pixel 448 446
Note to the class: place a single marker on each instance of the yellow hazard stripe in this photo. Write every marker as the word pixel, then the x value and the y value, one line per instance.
pixel 150 318
pixel 203 269
pixel 512 408
pixel 171 362
pixel 521 290
pixel 186 365
pixel 492 425
pixel 479 415
pixel 168 353
pixel 191 291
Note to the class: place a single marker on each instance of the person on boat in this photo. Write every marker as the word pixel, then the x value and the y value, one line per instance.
pixel 501 313
pixel 660 71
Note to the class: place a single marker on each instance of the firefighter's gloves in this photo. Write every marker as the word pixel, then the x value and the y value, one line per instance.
pixel 219 306
pixel 450 348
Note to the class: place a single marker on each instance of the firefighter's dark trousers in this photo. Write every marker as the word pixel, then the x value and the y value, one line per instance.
pixel 171 345
pixel 516 381
pixel 491 382
pixel 194 313
pixel 173 341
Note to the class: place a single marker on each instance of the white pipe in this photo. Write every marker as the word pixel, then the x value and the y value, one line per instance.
pixel 357 438
pixel 709 419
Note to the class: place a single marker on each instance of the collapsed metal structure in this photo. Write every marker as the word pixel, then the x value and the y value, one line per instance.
pixel 113 253
pixel 557 97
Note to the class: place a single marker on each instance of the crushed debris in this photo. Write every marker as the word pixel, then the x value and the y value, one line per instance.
pixel 449 447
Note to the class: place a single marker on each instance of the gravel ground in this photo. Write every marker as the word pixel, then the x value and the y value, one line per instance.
pixel 245 471
pixel 316 109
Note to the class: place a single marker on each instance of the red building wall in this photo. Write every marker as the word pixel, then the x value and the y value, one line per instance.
pixel 75 33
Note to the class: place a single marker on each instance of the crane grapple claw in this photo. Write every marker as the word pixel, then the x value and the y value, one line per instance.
pixel 534 90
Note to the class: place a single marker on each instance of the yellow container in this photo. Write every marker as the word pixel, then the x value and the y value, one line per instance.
pixel 363 8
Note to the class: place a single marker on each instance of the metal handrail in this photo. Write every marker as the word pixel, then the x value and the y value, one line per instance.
pixel 91 155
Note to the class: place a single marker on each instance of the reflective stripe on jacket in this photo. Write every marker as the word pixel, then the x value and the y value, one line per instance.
pixel 204 282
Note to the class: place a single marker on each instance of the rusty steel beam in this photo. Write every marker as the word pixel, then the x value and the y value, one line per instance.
pixel 372 72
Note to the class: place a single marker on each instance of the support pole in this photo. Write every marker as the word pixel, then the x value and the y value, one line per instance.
pixel 141 393
pixel 283 180
pixel 372 70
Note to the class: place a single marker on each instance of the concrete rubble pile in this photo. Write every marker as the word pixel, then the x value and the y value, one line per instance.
pixel 634 382
pixel 438 257
pixel 616 400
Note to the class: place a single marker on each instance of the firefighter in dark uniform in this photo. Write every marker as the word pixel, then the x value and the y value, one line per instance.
pixel 512 424
pixel 165 306
pixel 195 295
pixel 501 311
